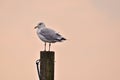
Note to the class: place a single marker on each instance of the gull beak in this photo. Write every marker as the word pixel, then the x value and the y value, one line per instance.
pixel 35 27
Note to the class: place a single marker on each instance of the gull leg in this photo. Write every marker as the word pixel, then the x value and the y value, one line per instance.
pixel 49 46
pixel 45 47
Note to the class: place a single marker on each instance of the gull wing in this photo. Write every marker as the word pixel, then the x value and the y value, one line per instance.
pixel 50 34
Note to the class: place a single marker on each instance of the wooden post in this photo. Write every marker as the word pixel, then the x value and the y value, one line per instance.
pixel 47 65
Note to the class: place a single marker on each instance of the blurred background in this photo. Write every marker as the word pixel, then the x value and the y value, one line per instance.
pixel 92 29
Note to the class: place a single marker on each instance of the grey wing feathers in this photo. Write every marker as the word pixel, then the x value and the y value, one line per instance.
pixel 50 34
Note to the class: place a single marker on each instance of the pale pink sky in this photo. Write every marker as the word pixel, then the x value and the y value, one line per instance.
pixel 92 27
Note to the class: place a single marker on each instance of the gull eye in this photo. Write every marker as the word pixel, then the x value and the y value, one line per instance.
pixel 40 23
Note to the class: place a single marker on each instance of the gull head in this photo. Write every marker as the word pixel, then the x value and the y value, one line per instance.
pixel 40 25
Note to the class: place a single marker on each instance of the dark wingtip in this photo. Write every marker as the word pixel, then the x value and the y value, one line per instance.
pixel 63 39
pixel 60 40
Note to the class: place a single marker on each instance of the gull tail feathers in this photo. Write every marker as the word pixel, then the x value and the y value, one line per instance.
pixel 61 39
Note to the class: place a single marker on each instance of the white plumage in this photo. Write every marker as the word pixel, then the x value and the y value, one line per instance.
pixel 48 35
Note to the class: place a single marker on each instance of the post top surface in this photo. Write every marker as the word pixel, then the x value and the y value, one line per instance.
pixel 47 52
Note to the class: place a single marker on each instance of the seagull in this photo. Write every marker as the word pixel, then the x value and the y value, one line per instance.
pixel 48 35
